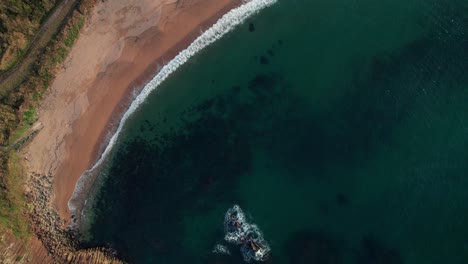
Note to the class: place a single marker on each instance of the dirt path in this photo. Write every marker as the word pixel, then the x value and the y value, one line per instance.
pixel 27 136
pixel 15 76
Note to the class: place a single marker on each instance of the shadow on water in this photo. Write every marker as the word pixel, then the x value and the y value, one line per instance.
pixel 314 247
pixel 189 181
pixel 321 248
pixel 371 251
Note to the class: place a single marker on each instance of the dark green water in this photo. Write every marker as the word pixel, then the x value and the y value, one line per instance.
pixel 340 127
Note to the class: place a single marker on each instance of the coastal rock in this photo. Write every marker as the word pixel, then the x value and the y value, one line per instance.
pixel 50 229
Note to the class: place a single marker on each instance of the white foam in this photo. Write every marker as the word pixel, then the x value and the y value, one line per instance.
pixel 221 249
pixel 243 234
pixel 224 25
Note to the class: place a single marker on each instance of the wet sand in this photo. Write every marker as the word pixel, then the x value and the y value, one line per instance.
pixel 119 50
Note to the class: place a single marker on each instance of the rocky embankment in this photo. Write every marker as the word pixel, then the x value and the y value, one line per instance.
pixel 52 241
pixel 57 240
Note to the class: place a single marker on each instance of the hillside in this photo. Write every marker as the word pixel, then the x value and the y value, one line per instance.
pixel 19 22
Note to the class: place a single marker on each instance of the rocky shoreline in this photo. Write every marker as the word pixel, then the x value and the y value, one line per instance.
pixel 58 239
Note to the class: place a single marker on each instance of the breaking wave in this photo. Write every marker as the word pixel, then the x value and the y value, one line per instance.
pixel 224 25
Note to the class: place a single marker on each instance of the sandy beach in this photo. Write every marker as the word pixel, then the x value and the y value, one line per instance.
pixel 119 50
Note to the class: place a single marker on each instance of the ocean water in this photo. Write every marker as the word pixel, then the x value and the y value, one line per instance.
pixel 339 127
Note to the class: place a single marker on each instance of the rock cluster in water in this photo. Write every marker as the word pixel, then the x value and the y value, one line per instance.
pixel 248 236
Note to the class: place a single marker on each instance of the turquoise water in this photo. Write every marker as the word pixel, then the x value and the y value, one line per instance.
pixel 339 127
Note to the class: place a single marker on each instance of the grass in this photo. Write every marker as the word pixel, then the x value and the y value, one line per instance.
pixel 23 68
pixel 57 58
pixel 28 120
pixel 31 74
pixel 30 115
pixel 13 205
pixel 18 133
pixel 74 32
pixel 18 57
pixel 69 39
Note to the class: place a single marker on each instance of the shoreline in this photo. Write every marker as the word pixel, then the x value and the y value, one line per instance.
pixel 229 21
pixel 123 52
pixel 112 36
pixel 145 77
pixel 105 87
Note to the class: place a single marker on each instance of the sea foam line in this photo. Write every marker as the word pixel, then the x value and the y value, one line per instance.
pixel 223 26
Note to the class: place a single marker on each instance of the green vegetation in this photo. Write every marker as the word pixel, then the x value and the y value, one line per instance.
pixel 68 42
pixel 13 205
pixel 51 26
pixel 74 32
pixel 36 84
pixel 19 106
pixel 29 117
pixel 19 21
pixel 31 74
pixel 18 133
pixel 19 56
